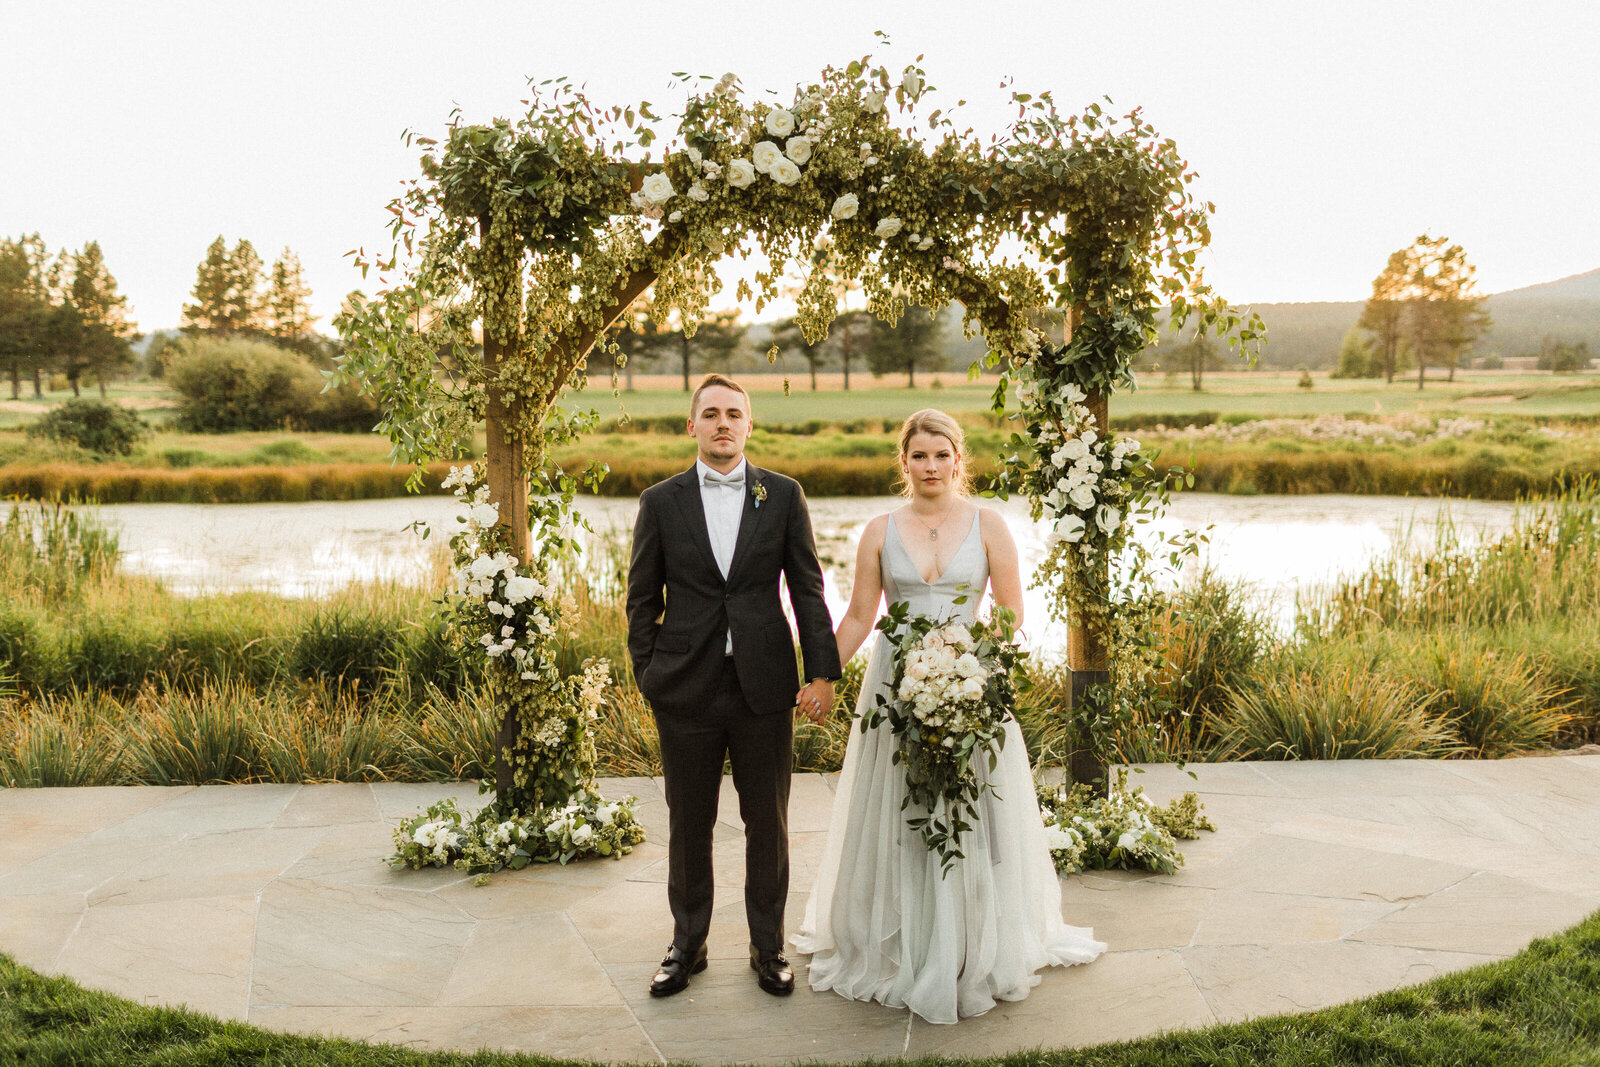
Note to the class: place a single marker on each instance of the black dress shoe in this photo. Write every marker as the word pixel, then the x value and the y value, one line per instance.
pixel 773 972
pixel 673 977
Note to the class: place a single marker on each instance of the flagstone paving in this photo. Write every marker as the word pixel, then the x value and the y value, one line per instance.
pixel 272 904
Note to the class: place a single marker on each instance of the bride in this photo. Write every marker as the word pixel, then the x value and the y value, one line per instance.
pixel 884 922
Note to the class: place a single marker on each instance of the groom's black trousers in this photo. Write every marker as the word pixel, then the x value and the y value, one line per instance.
pixel 761 750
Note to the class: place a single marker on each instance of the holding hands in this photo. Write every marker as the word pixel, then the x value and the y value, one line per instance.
pixel 815 700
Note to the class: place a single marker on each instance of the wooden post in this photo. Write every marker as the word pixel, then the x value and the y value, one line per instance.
pixel 1088 651
pixel 507 480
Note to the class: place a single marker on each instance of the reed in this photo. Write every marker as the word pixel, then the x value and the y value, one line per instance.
pixel 53 745
pixel 451 738
pixel 1330 711
pixel 1546 567
pixel 217 735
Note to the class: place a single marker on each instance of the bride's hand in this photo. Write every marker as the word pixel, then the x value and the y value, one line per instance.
pixel 815 700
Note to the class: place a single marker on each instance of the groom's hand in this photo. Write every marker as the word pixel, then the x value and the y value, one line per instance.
pixel 815 700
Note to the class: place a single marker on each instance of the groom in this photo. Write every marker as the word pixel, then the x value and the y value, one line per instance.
pixel 713 655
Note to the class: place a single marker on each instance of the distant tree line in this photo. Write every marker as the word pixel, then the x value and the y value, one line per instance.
pixel 61 314
pixel 248 356
pixel 654 340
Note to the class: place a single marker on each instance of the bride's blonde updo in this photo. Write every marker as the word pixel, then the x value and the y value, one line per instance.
pixel 936 422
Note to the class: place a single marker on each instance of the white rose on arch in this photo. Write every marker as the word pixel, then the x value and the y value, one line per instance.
pixel 780 123
pixel 1071 528
pixel 1108 519
pixel 1082 496
pixel 764 155
pixel 887 227
pixel 658 189
pixel 741 172
pixel 798 149
pixel 846 206
pixel 784 171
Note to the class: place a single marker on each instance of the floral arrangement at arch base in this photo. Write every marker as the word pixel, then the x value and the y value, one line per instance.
pixel 514 620
pixel 1088 831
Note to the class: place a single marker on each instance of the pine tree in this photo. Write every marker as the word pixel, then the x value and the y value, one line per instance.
pixel 1355 357
pixel 915 341
pixel 30 303
pixel 226 291
pixel 97 333
pixel 286 308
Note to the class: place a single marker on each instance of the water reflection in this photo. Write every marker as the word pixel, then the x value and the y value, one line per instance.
pixel 1281 545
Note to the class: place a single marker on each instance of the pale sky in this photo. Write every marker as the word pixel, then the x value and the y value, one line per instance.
pixel 1327 135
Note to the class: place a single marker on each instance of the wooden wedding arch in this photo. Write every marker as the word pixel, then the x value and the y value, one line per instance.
pixel 1062 238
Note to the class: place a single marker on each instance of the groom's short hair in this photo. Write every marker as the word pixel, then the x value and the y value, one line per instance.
pixel 708 382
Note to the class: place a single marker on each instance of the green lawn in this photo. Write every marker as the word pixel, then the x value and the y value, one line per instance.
pixel 1540 1007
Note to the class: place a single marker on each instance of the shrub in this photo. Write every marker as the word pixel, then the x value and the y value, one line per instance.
pixel 105 429
pixel 236 384
pixel 1496 703
pixel 1331 712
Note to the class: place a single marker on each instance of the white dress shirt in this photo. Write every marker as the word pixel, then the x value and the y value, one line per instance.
pixel 724 508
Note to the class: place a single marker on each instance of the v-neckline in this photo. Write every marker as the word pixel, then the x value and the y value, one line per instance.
pixel 940 577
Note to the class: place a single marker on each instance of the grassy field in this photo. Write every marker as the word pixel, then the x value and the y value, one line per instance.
pixel 842 443
pixel 1263 394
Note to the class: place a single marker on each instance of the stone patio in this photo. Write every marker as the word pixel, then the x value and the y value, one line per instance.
pixel 272 904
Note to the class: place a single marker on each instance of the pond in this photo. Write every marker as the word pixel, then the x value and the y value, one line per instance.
pixel 1280 545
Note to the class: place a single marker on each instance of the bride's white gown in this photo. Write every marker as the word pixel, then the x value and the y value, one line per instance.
pixel 882 923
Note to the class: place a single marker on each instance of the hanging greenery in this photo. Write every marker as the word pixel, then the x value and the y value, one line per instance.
pixel 524 240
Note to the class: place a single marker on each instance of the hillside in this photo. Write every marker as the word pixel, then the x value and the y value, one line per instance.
pixel 1567 309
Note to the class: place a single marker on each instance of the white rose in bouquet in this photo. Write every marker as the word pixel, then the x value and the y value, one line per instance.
pixel 583 835
pixel 968 666
pixel 846 206
pixel 798 149
pixel 741 172
pixel 764 155
pixel 971 688
pixel 657 189
pixel 784 172
pixel 1128 841
pixel 887 227
pixel 780 123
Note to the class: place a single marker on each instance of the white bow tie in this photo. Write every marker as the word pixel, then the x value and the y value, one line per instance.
pixel 735 480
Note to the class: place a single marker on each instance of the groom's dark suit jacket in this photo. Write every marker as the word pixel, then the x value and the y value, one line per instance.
pixel 680 609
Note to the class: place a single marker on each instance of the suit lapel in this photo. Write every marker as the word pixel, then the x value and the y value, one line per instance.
pixel 749 519
pixel 694 517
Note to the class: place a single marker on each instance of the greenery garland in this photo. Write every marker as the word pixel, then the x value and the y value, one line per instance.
pixel 544 228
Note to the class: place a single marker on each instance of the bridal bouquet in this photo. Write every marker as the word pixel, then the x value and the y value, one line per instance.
pixel 953 688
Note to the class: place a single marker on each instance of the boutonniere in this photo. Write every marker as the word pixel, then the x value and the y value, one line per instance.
pixel 758 491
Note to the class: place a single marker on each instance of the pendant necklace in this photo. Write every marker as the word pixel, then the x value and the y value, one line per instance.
pixel 933 531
